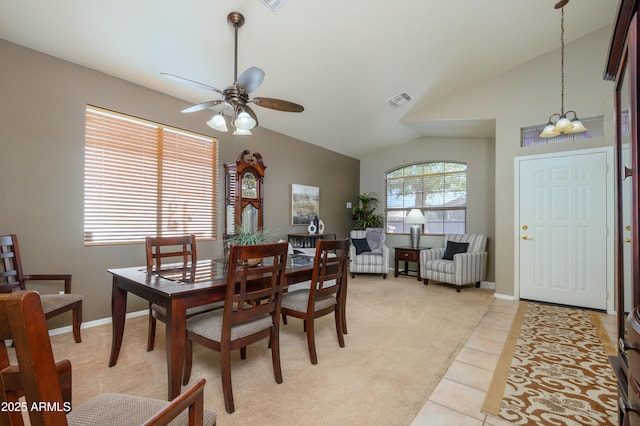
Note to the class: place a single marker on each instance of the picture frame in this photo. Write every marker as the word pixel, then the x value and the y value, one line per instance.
pixel 305 203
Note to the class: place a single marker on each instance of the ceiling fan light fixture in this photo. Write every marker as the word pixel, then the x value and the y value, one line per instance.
pixel 242 132
pixel 244 121
pixel 235 97
pixel 218 123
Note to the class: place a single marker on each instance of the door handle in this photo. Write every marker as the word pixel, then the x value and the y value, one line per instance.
pixel 526 237
pixel 627 240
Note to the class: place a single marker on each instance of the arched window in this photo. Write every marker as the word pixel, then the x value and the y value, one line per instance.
pixel 438 189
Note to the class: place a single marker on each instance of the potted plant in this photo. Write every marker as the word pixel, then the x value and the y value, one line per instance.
pixel 247 238
pixel 363 214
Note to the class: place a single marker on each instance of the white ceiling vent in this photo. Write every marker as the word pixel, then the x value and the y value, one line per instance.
pixel 399 100
pixel 274 5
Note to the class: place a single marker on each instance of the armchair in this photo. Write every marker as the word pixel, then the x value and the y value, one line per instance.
pixel 462 260
pixel 368 253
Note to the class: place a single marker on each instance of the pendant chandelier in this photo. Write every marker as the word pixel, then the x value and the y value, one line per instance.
pixel 568 122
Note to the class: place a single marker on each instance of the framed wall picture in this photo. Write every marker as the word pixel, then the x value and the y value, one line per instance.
pixel 305 204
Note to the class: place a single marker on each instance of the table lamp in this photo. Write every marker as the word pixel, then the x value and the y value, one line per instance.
pixel 416 219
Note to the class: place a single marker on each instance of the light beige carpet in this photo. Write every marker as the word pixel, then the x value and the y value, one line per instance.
pixel 554 370
pixel 402 337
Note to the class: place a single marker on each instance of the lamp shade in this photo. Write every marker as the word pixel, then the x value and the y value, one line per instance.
pixel 578 127
pixel 218 123
pixel 242 132
pixel 563 124
pixel 549 131
pixel 415 216
pixel 244 121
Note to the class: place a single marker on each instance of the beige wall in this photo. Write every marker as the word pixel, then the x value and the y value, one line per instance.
pixel 42 140
pixel 479 156
pixel 524 96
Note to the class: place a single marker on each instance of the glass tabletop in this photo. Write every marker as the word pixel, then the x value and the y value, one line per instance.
pixel 216 269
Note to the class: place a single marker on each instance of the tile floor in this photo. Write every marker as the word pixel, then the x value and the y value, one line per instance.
pixel 458 397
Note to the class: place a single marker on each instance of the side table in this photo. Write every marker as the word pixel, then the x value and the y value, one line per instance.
pixel 408 254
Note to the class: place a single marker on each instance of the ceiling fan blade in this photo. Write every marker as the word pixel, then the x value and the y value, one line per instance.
pixel 253 115
pixel 278 104
pixel 194 83
pixel 200 107
pixel 250 79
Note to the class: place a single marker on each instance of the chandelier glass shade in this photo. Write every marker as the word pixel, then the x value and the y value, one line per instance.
pixel 567 123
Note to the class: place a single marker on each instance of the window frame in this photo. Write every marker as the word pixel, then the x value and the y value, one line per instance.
pixel 446 227
pixel 143 178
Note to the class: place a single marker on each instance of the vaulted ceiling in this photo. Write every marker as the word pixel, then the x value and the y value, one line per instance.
pixel 342 60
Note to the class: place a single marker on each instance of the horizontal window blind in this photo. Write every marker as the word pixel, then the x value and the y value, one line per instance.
pixel 144 179
pixel 438 189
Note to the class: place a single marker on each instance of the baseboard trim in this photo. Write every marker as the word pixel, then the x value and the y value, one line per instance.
pixel 505 296
pixel 95 323
pixel 488 284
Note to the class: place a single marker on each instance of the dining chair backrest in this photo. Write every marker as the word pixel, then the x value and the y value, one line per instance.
pixel 254 291
pixel 161 250
pixel 11 275
pixel 41 380
pixel 329 269
pixel 57 297
pixel 22 319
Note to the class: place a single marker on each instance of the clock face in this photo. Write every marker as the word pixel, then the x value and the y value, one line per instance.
pixel 249 186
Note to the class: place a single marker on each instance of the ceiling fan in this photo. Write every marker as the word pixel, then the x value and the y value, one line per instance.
pixel 236 97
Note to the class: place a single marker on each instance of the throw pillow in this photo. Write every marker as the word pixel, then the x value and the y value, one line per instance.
pixel 361 245
pixel 454 248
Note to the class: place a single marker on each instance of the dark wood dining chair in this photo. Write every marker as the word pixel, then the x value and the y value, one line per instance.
pixel 40 380
pixel 177 253
pixel 326 293
pixel 13 278
pixel 242 321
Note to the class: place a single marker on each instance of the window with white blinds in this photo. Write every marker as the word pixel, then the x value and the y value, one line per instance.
pixel 145 179
pixel 438 189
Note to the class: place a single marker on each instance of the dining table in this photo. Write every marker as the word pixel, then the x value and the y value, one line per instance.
pixel 176 290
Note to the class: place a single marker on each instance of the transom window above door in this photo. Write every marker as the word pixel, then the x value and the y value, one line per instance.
pixel 437 189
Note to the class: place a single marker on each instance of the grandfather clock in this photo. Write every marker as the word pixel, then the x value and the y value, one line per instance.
pixel 244 203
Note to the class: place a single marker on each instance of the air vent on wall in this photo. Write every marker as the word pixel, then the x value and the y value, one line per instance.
pixel 399 100
pixel 274 5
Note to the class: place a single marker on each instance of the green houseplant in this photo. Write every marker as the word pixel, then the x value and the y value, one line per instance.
pixel 363 214
pixel 247 238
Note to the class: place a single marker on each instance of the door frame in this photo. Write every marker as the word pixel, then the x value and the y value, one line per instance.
pixel 610 200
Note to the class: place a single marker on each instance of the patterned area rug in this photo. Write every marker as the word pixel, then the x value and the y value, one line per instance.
pixel 554 370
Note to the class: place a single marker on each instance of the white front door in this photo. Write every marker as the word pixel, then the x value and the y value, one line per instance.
pixel 562 228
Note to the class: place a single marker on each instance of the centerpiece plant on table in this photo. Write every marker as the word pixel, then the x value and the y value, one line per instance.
pixel 247 238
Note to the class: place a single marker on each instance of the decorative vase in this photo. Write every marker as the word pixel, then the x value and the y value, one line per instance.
pixel 321 227
pixel 312 228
